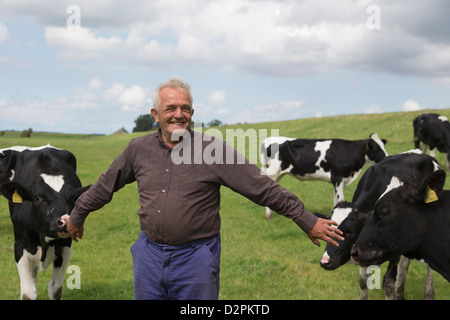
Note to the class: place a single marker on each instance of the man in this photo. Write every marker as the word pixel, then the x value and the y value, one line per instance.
pixel 177 255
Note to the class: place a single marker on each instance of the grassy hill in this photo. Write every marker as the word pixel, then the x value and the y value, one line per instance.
pixel 261 259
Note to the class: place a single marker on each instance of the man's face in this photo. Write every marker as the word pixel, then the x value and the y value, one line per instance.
pixel 174 113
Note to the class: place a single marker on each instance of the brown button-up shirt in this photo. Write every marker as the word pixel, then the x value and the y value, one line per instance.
pixel 179 188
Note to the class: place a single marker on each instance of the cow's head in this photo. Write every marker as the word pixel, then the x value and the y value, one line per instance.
pixel 375 148
pixel 350 222
pixel 397 221
pixel 45 201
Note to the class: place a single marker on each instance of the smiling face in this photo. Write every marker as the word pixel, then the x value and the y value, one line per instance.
pixel 174 113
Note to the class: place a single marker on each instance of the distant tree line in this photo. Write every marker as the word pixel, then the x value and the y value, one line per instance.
pixel 23 134
pixel 26 133
pixel 146 122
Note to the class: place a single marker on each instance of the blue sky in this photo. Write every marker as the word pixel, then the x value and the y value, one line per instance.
pixel 246 60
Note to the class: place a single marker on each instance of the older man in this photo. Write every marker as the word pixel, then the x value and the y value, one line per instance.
pixel 177 254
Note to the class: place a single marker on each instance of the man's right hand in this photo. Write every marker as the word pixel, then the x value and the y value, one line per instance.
pixel 325 230
pixel 74 231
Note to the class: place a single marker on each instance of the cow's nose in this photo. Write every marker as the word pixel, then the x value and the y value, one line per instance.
pixel 354 253
pixel 325 261
pixel 61 225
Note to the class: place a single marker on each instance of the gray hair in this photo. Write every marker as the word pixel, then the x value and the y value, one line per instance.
pixel 175 83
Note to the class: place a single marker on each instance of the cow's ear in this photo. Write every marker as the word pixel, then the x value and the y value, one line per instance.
pixel 431 186
pixel 322 216
pixel 14 192
pixel 77 192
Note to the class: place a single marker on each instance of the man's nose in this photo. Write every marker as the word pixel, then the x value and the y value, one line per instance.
pixel 178 113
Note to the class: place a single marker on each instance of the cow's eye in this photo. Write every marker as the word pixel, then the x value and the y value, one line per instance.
pixel 385 211
pixel 38 199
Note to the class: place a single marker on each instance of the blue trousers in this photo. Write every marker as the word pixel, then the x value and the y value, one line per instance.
pixel 185 272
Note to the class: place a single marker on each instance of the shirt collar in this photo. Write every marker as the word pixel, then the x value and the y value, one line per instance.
pixel 161 140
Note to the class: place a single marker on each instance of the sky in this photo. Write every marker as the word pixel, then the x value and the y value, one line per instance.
pixel 92 66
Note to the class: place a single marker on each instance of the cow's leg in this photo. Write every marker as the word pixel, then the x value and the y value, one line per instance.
pixel 275 175
pixel 416 141
pixel 27 267
pixel 402 271
pixel 338 193
pixel 424 148
pixel 429 286
pixel 448 161
pixel 364 293
pixel 432 153
pixel 390 279
pixel 55 286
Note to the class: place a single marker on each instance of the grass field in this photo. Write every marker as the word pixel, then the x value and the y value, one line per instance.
pixel 261 259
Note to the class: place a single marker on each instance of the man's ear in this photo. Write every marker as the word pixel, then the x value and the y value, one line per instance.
pixel 154 113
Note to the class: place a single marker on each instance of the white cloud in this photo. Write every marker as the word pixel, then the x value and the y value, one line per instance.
pixel 217 96
pixel 31 113
pixel 374 109
pixel 80 43
pixel 280 110
pixel 266 36
pixel 3 33
pixel 95 84
pixel 222 112
pixel 191 47
pixel 48 113
pixel 318 114
pixel 132 99
pixel 153 51
pixel 411 105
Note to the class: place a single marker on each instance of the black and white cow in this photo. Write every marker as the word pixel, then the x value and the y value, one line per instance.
pixel 41 185
pixel 433 131
pixel 337 161
pixel 411 220
pixel 351 217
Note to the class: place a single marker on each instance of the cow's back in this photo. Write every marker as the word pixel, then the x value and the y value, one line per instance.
pixel 302 154
pixel 408 166
pixel 432 129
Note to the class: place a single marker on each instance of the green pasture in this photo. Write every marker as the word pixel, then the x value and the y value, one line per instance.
pixel 261 259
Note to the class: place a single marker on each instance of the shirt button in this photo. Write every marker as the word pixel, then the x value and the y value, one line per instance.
pixel 163 190
pixel 159 211
pixel 167 170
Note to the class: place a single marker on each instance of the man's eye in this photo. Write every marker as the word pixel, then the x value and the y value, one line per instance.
pixel 169 109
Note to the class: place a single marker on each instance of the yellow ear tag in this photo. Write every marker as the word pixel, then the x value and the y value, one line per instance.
pixel 16 198
pixel 430 196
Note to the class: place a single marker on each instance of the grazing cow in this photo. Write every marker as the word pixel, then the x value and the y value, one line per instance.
pixel 411 220
pixel 432 130
pixel 377 180
pixel 337 161
pixel 41 185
